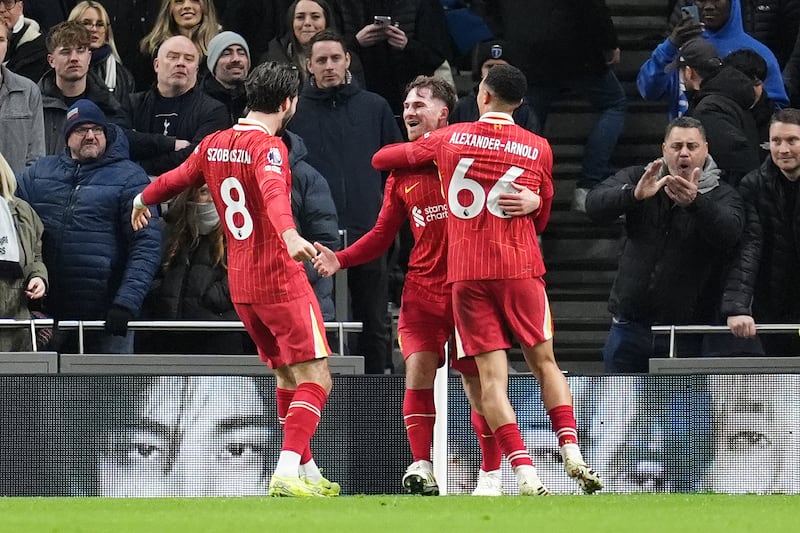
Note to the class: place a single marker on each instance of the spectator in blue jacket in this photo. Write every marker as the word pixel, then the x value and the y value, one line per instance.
pixel 722 26
pixel 99 267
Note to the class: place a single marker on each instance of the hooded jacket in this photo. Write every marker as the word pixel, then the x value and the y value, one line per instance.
pixel 722 105
pixel 670 265
pixel 655 83
pixel 94 257
pixel 343 127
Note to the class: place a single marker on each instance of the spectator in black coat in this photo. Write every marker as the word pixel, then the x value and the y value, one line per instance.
pixel 681 223
pixel 170 119
pixel 27 51
pixel 343 126
pixel 751 64
pixel 315 216
pixel 763 284
pixel 71 80
pixel 722 101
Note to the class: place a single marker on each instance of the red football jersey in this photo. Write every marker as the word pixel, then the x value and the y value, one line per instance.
pixel 247 172
pixel 414 194
pixel 477 161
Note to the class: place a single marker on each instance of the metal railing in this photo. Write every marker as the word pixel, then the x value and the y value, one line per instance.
pixel 760 328
pixel 156 325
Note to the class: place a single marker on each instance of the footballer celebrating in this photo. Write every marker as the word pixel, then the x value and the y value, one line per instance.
pixel 426 319
pixel 247 172
pixel 495 265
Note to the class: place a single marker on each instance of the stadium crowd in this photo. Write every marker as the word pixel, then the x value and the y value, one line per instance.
pixel 95 97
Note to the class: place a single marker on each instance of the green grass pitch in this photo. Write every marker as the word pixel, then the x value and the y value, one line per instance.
pixel 639 513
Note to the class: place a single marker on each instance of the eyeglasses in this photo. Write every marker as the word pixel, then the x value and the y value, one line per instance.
pixel 100 25
pixel 6 6
pixel 82 131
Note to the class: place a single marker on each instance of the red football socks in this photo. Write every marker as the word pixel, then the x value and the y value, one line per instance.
pixel 419 414
pixel 563 420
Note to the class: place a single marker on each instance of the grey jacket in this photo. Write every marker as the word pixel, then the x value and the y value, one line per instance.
pixel 21 120
pixel 13 303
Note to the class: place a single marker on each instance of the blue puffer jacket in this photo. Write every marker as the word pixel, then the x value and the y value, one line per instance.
pixel 94 257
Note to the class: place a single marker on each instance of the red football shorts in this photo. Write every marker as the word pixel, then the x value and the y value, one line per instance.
pixel 286 333
pixel 489 312
pixel 424 325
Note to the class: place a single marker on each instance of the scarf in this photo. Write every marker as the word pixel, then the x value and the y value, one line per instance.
pixel 9 243
pixel 104 55
pixel 709 177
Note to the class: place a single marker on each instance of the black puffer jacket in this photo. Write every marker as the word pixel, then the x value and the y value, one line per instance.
pixel 315 216
pixel 672 257
pixel 763 279
pixel 722 105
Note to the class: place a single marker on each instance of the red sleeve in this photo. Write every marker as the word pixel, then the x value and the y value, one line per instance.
pixel 274 181
pixel 404 155
pixel 542 215
pixel 170 184
pixel 377 240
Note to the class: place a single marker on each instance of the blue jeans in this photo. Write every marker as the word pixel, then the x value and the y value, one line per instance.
pixel 607 98
pixel 630 346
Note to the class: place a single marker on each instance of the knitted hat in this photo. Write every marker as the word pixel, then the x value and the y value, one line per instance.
pixel 486 50
pixel 84 112
pixel 219 43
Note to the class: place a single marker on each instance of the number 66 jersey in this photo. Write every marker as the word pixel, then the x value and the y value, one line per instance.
pixel 247 172
pixel 477 162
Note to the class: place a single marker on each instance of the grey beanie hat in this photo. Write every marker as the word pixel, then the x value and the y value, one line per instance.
pixel 219 43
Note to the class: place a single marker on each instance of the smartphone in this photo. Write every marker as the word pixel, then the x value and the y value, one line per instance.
pixel 692 12
pixel 383 20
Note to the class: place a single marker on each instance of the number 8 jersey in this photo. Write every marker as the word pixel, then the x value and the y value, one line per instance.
pixel 477 162
pixel 247 172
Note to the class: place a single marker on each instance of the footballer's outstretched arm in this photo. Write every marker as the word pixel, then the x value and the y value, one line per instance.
pixel 404 155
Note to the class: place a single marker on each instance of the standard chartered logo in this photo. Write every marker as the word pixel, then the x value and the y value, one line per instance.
pixel 429 214
pixel 419 218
